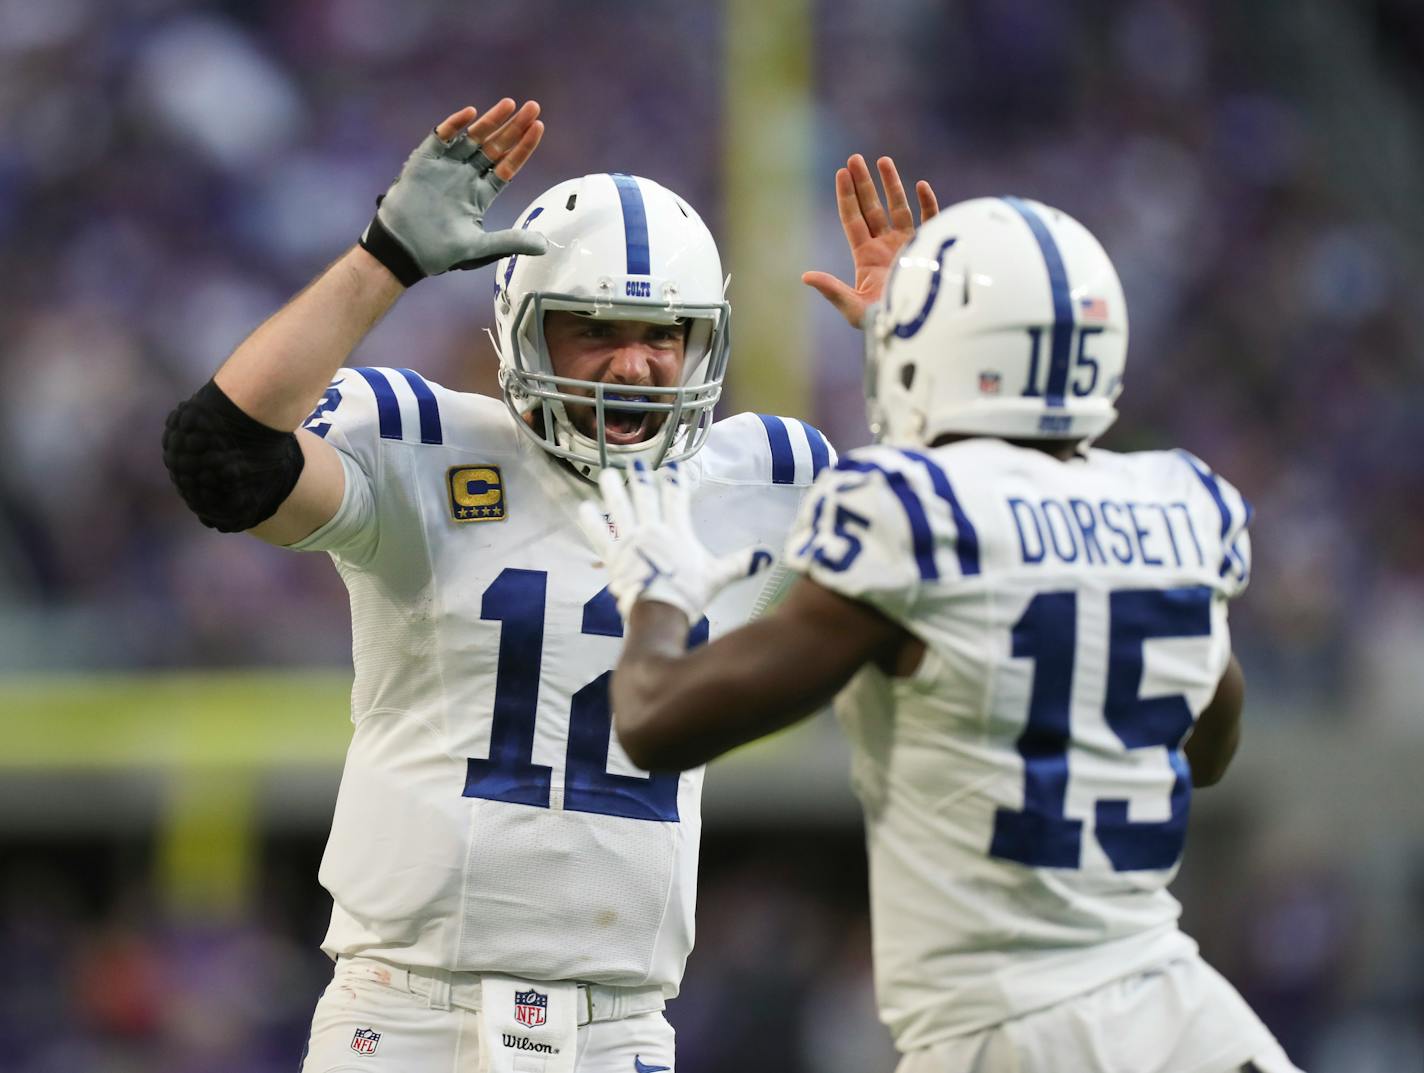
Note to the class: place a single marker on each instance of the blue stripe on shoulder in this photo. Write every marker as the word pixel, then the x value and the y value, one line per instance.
pixel 820 449
pixel 921 537
pixel 783 462
pixel 1208 479
pixel 1060 356
pixel 430 431
pixel 966 543
pixel 387 408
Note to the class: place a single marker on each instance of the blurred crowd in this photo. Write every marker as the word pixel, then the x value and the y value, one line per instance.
pixel 780 978
pixel 171 172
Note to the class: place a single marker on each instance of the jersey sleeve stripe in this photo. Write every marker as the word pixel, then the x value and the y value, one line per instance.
pixel 783 461
pixel 966 542
pixel 387 407
pixel 820 449
pixel 430 431
pixel 1243 559
pixel 921 536
pixel 1209 481
pixel 1062 343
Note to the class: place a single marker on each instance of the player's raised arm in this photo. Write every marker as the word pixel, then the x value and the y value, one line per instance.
pixel 874 231
pixel 676 709
pixel 231 449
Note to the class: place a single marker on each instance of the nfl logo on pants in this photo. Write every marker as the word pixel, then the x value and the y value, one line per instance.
pixel 365 1040
pixel 530 1008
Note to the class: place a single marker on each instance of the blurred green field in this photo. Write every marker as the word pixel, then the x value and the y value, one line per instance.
pixel 243 720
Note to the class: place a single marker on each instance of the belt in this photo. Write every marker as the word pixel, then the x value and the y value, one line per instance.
pixel 597 1002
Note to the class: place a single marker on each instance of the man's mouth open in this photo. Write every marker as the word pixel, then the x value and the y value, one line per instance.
pixel 628 426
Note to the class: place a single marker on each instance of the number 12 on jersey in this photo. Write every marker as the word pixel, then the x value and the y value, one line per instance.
pixel 516 600
pixel 1041 835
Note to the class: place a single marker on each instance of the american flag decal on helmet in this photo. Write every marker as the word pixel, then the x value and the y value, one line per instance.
pixel 1092 309
pixel 531 1008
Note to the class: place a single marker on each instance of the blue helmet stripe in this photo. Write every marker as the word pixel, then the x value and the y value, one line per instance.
pixel 635 224
pixel 1061 353
pixel 387 408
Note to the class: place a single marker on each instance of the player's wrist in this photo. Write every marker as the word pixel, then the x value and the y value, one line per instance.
pixel 654 616
pixel 674 597
pixel 388 251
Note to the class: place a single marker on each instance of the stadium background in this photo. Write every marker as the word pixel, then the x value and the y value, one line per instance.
pixel 172 701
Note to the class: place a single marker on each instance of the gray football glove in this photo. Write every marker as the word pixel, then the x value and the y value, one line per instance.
pixel 430 220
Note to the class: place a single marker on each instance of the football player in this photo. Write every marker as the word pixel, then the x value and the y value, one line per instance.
pixel 1026 638
pixel 508 887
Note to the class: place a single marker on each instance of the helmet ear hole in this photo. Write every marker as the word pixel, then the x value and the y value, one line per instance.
pixel 907 375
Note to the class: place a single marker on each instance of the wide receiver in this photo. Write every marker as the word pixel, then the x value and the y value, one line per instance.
pixel 508 888
pixel 1026 638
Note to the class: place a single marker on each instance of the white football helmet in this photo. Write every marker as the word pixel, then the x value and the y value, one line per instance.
pixel 620 248
pixel 1002 317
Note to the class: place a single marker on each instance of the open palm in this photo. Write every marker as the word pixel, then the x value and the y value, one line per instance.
pixel 875 235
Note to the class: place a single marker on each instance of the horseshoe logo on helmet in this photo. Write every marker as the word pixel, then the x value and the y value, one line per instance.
pixel 911 327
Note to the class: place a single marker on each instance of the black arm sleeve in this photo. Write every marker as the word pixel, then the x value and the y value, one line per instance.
pixel 231 470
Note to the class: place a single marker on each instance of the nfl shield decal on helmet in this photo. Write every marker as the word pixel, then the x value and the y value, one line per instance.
pixel 365 1041
pixel 531 1008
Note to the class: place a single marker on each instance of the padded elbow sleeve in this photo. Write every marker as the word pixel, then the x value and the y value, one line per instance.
pixel 231 470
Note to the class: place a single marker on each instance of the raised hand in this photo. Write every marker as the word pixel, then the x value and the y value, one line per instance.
pixel 505 135
pixel 431 219
pixel 653 551
pixel 874 235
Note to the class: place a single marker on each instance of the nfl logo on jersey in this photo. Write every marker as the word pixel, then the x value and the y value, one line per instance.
pixel 365 1041
pixel 530 1008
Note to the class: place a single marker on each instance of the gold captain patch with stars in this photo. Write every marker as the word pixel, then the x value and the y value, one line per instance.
pixel 476 493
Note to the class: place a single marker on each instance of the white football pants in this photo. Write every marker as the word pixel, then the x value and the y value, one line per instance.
pixel 1180 1018
pixel 370 1019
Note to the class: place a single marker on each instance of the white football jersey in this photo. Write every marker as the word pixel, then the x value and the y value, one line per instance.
pixel 488 819
pixel 1025 791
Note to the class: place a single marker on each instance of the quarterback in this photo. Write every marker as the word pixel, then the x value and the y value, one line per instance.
pixel 509 890
pixel 1026 639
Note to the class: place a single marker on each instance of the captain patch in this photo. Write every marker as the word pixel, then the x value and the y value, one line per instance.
pixel 476 494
